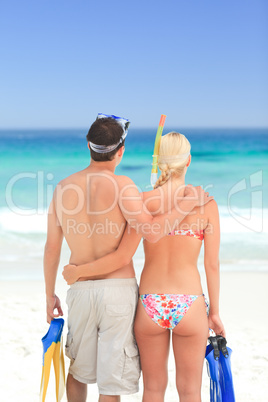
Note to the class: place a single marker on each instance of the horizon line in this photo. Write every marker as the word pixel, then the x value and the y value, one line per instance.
pixel 137 127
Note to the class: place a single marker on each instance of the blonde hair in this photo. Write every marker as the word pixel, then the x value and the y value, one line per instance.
pixel 173 156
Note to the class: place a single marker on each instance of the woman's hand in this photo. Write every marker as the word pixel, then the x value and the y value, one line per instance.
pixel 215 323
pixel 70 273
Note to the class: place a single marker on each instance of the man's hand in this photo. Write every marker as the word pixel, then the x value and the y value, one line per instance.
pixel 70 274
pixel 197 194
pixel 53 303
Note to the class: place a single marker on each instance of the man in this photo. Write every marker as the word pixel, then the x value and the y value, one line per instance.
pixel 90 209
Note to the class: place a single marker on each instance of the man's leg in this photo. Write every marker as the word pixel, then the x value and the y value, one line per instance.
pixel 76 391
pixel 118 368
pixel 81 342
pixel 108 398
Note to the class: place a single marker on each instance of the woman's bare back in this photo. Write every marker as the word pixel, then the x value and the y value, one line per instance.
pixel 171 263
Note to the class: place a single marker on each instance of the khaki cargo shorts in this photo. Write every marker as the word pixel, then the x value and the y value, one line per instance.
pixel 100 340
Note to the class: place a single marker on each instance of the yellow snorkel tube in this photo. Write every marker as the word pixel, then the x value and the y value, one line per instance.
pixel 156 149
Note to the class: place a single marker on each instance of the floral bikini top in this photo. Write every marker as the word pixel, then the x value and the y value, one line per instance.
pixel 197 234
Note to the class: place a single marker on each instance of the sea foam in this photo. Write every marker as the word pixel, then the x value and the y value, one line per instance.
pixel 237 220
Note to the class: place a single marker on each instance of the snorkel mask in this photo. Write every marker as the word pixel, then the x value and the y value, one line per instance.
pixel 124 123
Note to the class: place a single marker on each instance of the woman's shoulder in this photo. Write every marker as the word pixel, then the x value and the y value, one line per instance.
pixel 205 212
pixel 211 211
pixel 212 206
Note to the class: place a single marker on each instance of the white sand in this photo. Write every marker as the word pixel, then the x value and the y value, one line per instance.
pixel 244 303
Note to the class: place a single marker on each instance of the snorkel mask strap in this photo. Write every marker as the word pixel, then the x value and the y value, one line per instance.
pixel 124 123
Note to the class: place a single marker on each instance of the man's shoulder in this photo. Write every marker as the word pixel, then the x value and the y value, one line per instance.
pixel 124 180
pixel 108 178
pixel 72 179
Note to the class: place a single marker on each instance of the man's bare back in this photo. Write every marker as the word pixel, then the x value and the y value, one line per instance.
pixel 87 208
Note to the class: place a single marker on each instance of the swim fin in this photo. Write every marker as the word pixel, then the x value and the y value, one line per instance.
pixel 53 350
pixel 225 373
pixel 213 356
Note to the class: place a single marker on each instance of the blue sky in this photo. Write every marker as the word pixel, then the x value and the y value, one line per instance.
pixel 203 63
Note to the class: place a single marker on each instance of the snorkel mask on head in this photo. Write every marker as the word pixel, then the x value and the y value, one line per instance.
pixel 124 123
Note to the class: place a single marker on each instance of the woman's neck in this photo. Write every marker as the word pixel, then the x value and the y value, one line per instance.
pixel 176 184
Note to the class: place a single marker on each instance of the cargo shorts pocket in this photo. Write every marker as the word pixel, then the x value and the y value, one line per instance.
pixel 118 310
pixel 69 348
pixel 132 369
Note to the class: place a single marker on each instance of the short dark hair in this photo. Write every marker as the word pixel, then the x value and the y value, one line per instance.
pixel 105 131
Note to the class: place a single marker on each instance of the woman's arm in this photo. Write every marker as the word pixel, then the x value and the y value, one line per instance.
pixel 109 263
pixel 212 266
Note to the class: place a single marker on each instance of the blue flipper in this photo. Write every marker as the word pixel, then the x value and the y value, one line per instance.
pixel 52 350
pixel 226 378
pixel 213 357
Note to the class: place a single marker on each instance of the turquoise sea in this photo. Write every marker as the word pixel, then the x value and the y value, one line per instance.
pixel 232 164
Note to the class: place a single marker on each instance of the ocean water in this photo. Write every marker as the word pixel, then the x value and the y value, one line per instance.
pixel 232 164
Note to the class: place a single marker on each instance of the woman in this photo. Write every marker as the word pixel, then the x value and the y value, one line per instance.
pixel 171 296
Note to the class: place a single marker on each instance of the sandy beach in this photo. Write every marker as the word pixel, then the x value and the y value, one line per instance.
pixel 244 302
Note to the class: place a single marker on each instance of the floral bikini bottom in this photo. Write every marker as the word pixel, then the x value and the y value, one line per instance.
pixel 167 310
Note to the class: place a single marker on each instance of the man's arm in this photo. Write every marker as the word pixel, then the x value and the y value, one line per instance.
pixel 51 262
pixel 153 228
pixel 109 263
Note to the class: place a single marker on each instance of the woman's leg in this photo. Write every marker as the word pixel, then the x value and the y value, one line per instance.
pixel 153 342
pixel 189 340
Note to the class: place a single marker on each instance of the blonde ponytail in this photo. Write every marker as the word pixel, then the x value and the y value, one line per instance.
pixel 163 178
pixel 173 156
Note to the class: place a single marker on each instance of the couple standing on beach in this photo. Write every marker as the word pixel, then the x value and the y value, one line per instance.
pixel 103 218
